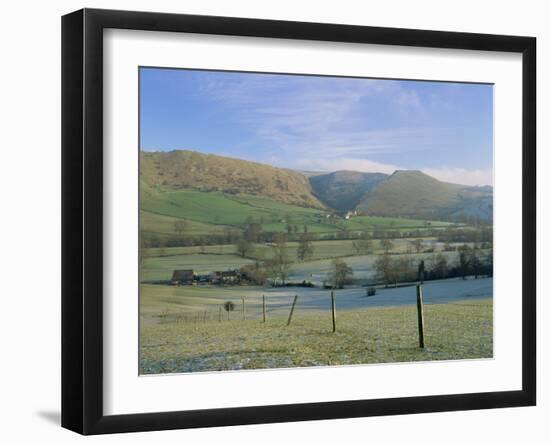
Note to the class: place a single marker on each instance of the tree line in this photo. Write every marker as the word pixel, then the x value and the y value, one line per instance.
pixel 469 261
pixel 183 235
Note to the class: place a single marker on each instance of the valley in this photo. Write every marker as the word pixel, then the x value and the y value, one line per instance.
pixel 218 232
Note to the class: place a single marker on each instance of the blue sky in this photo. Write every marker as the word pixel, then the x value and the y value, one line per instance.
pixel 322 123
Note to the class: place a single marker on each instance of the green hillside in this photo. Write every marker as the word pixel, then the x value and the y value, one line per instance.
pixel 212 173
pixel 216 208
pixel 415 194
pixel 212 213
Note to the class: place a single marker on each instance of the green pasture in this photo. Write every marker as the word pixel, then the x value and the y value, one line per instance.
pixel 212 212
pixel 163 225
pixel 218 208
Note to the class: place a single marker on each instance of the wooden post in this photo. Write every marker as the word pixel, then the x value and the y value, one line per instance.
pixel 263 306
pixel 333 309
pixel 243 309
pixel 220 316
pixel 292 310
pixel 420 309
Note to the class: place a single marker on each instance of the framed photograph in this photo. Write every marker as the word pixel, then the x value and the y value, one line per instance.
pixel 268 221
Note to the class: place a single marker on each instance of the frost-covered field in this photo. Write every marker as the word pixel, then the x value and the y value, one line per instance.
pixel 160 301
pixel 457 330
pixel 185 329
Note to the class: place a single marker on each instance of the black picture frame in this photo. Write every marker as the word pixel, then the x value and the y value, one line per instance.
pixel 82 218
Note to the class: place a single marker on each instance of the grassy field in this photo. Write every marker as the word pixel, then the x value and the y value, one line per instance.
pixel 163 225
pixel 212 212
pixel 162 261
pixel 460 330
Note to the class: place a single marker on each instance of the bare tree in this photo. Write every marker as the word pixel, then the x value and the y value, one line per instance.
pixel 475 262
pixel 340 273
pixel 279 265
pixel 255 272
pixel 421 271
pixel 305 247
pixel 440 267
pixel 464 260
pixel 362 245
pixel 403 270
pixel 252 232
pixel 387 245
pixel 418 245
pixel 230 234
pixel 243 246
pixel 383 267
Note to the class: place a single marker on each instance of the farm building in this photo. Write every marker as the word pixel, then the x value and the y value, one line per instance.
pixel 346 214
pixel 183 277
pixel 231 277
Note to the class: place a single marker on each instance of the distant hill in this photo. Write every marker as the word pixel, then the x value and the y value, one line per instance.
pixel 343 190
pixel 205 172
pixel 415 194
pixel 410 194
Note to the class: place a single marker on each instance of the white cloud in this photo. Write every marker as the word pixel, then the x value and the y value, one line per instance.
pixel 322 117
pixel 322 124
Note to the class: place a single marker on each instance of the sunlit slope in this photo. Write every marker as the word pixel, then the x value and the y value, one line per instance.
pixel 415 194
pixel 212 173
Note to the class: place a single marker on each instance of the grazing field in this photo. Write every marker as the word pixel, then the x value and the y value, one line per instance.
pixel 461 330
pixel 218 208
pixel 163 225
pixel 212 212
pixel 160 262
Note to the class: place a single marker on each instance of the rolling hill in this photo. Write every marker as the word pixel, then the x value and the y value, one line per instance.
pixel 213 173
pixel 409 194
pixel 415 194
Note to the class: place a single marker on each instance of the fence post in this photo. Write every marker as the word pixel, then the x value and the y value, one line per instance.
pixel 263 306
pixel 220 316
pixel 243 309
pixel 333 306
pixel 420 309
pixel 292 310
